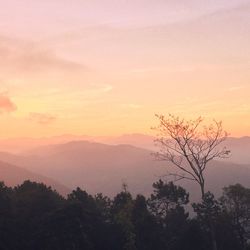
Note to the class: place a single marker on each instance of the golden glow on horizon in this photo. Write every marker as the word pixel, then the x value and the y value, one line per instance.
pixel 105 69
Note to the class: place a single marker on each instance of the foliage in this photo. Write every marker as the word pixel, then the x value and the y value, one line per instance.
pixel 33 216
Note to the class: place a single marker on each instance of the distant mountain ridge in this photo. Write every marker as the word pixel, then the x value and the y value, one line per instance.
pixel 103 168
pixel 240 147
pixel 19 145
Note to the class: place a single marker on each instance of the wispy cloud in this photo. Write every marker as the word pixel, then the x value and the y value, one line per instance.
pixel 30 57
pixel 42 119
pixel 78 90
pixel 132 106
pixel 6 105
pixel 104 88
pixel 235 88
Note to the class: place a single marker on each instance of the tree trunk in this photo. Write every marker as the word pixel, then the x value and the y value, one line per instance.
pixel 211 224
pixel 202 186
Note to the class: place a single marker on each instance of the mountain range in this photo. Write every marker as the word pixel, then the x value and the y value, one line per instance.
pixel 240 147
pixel 99 167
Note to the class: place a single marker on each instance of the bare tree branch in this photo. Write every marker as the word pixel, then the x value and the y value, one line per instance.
pixel 189 147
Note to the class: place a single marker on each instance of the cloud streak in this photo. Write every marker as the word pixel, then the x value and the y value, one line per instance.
pixel 19 56
pixel 132 106
pixel 236 88
pixel 42 119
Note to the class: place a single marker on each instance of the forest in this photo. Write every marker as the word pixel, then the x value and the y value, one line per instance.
pixel 33 216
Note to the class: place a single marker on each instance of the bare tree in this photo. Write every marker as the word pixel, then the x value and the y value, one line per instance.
pixel 190 148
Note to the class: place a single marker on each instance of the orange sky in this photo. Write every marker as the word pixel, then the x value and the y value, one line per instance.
pixel 106 67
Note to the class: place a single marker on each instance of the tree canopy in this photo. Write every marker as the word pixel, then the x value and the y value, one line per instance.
pixel 33 216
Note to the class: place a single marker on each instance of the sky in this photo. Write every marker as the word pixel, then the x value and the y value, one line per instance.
pixel 105 67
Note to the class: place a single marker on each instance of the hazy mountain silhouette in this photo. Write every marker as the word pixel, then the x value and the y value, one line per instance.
pixel 240 147
pixel 12 175
pixel 102 168
pixel 19 145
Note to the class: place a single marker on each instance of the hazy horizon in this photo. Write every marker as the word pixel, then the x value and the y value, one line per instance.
pixel 100 135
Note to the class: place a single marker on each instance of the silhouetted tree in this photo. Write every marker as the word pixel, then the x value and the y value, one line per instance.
pixel 146 228
pixel 6 229
pixel 94 217
pixel 167 197
pixel 122 216
pixel 190 148
pixel 167 204
pixel 211 211
pixel 207 212
pixel 236 203
pixel 66 228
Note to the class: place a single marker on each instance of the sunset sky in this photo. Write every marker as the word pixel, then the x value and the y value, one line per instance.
pixel 105 67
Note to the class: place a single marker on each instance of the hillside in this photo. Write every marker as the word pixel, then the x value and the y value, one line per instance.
pixel 12 175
